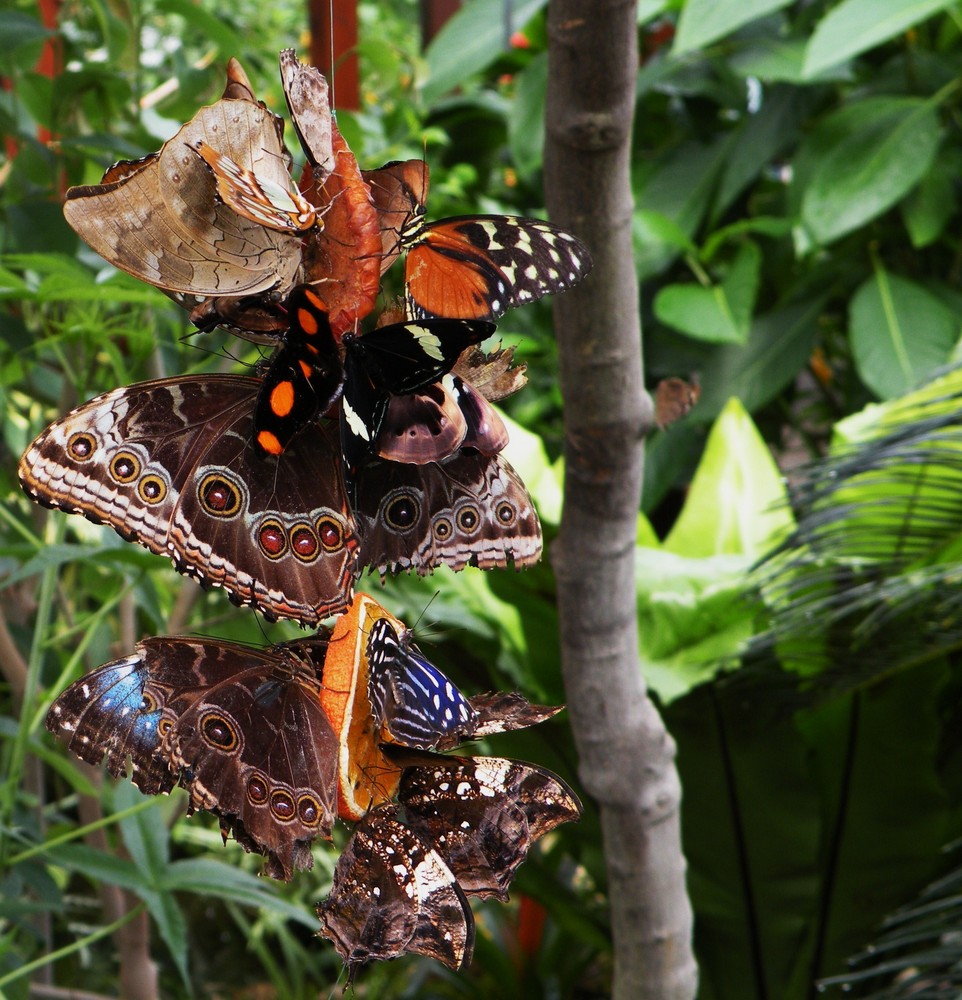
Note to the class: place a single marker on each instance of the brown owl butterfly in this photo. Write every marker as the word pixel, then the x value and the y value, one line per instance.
pixel 171 464
pixel 240 728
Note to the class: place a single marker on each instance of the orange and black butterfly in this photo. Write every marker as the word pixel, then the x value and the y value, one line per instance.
pixel 471 266
pixel 311 370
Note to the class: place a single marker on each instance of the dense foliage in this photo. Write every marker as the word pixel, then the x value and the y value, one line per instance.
pixel 797 231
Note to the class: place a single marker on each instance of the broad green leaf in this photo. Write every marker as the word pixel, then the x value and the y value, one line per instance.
pixel 526 120
pixel 899 333
pixel 736 503
pixel 692 617
pixel 171 923
pixel 473 38
pixel 705 21
pixel 215 878
pixel 99 866
pixel 721 313
pixel 854 26
pixel 876 152
pixel 147 840
pixel 779 345
pixel 928 209
pixel 20 29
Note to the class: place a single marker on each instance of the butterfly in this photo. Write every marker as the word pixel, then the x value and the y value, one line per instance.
pixel 409 696
pixel 307 374
pixel 258 199
pixel 352 692
pixel 483 814
pixel 171 464
pixel 158 218
pixel 473 266
pixel 241 728
pixel 461 827
pixel 306 93
pixel 393 894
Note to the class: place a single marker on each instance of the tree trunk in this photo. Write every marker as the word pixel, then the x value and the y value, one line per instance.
pixel 626 755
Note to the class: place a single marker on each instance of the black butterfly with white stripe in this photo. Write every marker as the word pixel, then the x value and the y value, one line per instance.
pixel 311 369
pixel 410 697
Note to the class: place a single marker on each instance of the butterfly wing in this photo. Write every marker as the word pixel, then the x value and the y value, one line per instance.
pixel 159 219
pixel 257 199
pixel 399 191
pixel 483 814
pixel 171 465
pixel 471 510
pixel 306 92
pixel 409 696
pixel 478 267
pixel 393 894
pixel 257 750
pixel 304 378
pixel 394 360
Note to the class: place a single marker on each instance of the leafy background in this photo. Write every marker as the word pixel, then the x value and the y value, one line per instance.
pixel 797 241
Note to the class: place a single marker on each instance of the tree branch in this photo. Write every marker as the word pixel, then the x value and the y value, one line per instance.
pixel 626 755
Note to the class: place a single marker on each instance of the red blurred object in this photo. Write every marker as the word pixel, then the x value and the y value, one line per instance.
pixel 334 32
pixel 531 918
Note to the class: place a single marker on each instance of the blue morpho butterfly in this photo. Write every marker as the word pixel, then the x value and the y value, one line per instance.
pixel 307 374
pixel 241 728
pixel 410 697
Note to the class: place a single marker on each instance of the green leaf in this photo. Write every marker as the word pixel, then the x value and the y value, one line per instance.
pixel 20 29
pixel 172 925
pixel 526 121
pixel 692 617
pixel 870 155
pixel 857 25
pixel 147 840
pixel 214 878
pixel 721 313
pixel 472 39
pixel 928 209
pixel 705 21
pixel 736 504
pixel 99 866
pixel 899 333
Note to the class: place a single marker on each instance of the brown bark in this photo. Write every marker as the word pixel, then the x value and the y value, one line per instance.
pixel 334 49
pixel 626 755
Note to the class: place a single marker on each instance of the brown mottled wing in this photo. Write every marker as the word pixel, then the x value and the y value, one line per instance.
pixel 393 894
pixel 306 91
pixel 163 223
pixel 432 424
pixel 494 375
pixel 483 814
pixel 170 464
pixel 471 510
pixel 256 749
